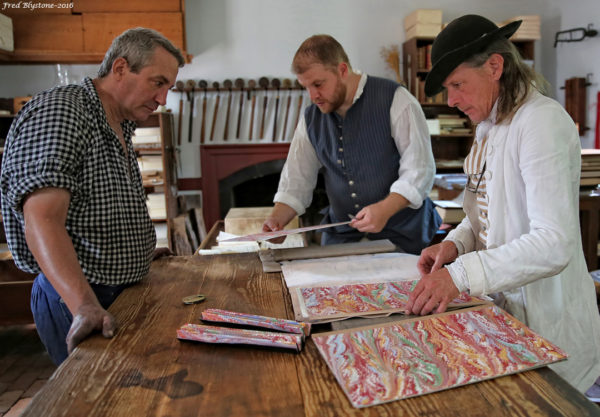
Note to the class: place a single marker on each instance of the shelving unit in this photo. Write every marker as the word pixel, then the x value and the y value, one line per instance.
pixel 153 145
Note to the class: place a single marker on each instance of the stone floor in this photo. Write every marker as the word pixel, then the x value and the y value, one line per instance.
pixel 24 368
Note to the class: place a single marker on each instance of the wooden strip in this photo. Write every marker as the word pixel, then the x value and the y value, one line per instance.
pixel 102 28
pixel 327 251
pixel 113 6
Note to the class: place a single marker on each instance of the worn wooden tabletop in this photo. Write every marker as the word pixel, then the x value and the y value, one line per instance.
pixel 146 371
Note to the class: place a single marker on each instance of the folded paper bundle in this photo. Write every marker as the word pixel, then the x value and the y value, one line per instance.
pixel 213 334
pixel 283 325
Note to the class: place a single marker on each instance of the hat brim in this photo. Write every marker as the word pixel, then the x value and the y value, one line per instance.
pixel 452 59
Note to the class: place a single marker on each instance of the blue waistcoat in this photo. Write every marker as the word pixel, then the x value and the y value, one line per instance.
pixel 361 161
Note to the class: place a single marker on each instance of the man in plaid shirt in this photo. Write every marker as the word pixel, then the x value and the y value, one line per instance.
pixel 73 202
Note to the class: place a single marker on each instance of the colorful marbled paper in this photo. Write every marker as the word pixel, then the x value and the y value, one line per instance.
pixel 321 304
pixel 419 356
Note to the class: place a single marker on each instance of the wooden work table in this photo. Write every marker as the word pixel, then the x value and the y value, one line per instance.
pixel 146 371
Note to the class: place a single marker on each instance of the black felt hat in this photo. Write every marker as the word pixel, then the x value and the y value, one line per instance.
pixel 459 41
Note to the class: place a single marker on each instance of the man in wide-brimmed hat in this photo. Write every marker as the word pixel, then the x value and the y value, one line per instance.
pixel 520 241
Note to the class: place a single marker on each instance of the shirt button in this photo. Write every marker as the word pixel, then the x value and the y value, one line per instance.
pixel 353 195
pixel 487 175
pixel 350 182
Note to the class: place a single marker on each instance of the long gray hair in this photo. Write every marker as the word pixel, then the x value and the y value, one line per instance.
pixel 137 47
pixel 517 80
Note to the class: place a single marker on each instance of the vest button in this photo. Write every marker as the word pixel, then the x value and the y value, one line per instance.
pixel 356 206
pixel 353 195
pixel 340 149
pixel 339 161
pixel 341 138
pixel 350 182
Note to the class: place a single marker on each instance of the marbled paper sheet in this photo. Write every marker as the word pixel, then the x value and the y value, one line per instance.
pixel 321 304
pixel 419 356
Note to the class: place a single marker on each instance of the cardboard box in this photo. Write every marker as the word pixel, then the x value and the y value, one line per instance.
pixel 423 16
pixel 424 30
pixel 6 33
pixel 248 220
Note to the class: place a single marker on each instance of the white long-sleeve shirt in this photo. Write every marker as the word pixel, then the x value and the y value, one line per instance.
pixel 534 252
pixel 411 136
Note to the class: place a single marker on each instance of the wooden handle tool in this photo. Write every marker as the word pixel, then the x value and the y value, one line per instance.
pixel 239 83
pixel 180 87
pixel 227 84
pixel 264 83
pixel 251 87
pixel 203 84
pixel 298 85
pixel 276 84
pixel 287 83
pixel 191 85
pixel 215 111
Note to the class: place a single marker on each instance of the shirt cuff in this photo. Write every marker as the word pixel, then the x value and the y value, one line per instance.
pixel 407 191
pixel 459 246
pixel 290 200
pixel 459 275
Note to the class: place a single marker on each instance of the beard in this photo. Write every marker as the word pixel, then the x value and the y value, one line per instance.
pixel 339 95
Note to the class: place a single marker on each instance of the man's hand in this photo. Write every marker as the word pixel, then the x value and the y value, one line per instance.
pixel 89 318
pixel 374 217
pixel 281 215
pixel 435 257
pixel 371 219
pixel 433 291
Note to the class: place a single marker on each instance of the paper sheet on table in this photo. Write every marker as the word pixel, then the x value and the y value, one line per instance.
pixel 225 246
pixel 379 267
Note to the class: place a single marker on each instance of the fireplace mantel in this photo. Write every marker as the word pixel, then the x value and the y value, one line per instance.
pixel 220 161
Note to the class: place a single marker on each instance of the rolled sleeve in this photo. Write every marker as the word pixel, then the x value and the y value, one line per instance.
pixel 411 135
pixel 299 175
pixel 24 179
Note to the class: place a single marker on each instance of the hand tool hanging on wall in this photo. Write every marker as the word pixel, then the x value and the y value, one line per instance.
pixel 191 84
pixel 239 83
pixel 276 84
pixel 215 111
pixel 227 84
pixel 180 87
pixel 203 84
pixel 287 83
pixel 251 87
pixel 298 85
pixel 264 83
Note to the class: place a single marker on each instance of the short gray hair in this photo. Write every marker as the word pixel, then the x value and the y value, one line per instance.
pixel 137 47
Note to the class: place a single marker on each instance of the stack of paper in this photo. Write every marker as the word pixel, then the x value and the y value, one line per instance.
pixel 590 167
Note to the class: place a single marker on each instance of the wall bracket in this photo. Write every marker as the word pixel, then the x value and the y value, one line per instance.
pixel 575 35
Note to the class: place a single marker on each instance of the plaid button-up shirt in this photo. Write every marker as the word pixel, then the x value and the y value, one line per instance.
pixel 61 139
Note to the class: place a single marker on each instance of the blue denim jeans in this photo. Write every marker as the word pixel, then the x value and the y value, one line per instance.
pixel 52 317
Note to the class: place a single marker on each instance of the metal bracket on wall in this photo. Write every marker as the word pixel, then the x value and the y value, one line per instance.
pixel 575 35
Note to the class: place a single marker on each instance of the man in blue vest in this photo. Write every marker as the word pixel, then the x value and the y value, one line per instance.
pixel 369 137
